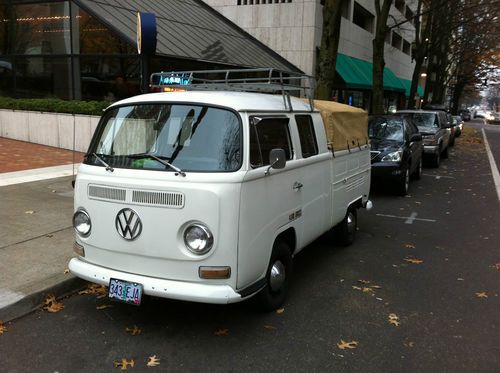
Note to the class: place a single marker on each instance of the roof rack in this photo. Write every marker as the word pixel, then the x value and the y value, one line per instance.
pixel 263 80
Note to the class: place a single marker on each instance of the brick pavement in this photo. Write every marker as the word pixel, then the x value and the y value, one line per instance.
pixel 20 155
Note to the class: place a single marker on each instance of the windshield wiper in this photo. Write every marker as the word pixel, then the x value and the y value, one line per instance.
pixel 162 160
pixel 108 167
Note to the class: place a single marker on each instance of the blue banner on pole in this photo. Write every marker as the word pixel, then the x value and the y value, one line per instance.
pixel 146 33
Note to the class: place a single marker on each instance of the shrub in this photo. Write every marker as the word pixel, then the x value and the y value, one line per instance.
pixel 54 105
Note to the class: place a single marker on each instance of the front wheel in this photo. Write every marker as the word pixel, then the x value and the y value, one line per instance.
pixel 404 183
pixel 346 229
pixel 417 174
pixel 278 274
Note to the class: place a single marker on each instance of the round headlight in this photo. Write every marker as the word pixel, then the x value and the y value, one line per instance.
pixel 198 239
pixel 81 222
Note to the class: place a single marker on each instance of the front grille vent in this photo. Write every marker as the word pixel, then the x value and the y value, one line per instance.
pixel 169 199
pixel 100 192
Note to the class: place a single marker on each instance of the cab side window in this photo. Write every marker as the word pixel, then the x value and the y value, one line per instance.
pixel 307 136
pixel 267 134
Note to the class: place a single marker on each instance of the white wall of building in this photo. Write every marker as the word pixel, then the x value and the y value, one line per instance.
pixel 293 29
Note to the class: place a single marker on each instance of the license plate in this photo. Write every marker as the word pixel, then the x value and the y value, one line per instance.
pixel 124 291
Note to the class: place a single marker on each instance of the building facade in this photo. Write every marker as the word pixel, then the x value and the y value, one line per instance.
pixel 86 49
pixel 293 29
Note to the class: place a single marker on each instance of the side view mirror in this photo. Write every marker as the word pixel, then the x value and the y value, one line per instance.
pixel 277 159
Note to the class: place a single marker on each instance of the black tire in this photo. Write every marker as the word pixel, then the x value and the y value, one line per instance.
pixel 444 153
pixel 345 231
pixel 278 275
pixel 417 174
pixel 436 159
pixel 404 183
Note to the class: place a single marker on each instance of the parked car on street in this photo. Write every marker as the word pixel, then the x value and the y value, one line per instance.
pixel 452 126
pixel 435 130
pixel 396 151
pixel 494 118
pixel 459 124
pixel 465 114
pixel 207 196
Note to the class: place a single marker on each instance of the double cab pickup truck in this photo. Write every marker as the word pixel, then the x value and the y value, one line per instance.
pixel 206 195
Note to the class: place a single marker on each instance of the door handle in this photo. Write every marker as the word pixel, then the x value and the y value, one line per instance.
pixel 297 185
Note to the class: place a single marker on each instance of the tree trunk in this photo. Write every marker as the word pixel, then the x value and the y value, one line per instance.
pixel 378 56
pixel 327 57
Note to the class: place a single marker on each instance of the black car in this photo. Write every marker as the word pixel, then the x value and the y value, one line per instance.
pixel 396 151
pixel 465 114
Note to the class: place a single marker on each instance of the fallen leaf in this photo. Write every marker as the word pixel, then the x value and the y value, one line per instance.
pixel 100 290
pixel 497 266
pixel 3 328
pixel 270 327
pixel 103 306
pixel 364 282
pixel 153 361
pixel 413 260
pixel 356 288
pixel 367 290
pixel 49 235
pixel 376 287
pixel 52 305
pixel 409 246
pixel 482 295
pixel 134 330
pixel 394 319
pixel 29 212
pixel 123 365
pixel 280 311
pixel 222 333
pixel 350 345
pixel 66 271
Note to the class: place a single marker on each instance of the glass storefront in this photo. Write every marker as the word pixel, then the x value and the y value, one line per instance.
pixel 56 49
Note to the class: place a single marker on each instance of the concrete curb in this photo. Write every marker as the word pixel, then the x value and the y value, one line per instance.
pixel 34 301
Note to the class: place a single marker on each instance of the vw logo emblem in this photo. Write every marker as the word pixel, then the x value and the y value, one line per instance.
pixel 128 224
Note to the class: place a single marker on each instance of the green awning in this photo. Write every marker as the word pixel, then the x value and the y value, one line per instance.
pixel 407 84
pixel 358 73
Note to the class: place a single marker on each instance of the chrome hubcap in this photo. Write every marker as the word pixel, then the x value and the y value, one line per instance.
pixel 277 277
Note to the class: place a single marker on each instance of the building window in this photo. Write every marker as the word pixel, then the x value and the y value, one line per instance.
pixel 42 28
pixel 95 38
pixel 363 18
pixel 410 16
pixel 406 47
pixel 346 9
pixel 400 5
pixel 39 76
pixel 397 40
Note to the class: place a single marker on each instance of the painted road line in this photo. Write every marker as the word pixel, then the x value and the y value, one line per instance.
pixel 408 219
pixel 37 174
pixel 493 165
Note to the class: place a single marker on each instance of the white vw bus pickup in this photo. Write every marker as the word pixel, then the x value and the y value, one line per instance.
pixel 206 194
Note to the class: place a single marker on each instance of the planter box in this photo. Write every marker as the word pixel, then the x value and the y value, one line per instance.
pixel 52 129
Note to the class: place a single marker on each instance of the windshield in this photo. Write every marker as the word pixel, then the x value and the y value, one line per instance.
pixel 171 137
pixel 424 119
pixel 380 128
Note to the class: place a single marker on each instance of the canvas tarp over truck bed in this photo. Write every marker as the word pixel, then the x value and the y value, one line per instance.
pixel 346 126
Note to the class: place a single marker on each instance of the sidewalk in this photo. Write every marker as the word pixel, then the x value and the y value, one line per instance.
pixel 36 233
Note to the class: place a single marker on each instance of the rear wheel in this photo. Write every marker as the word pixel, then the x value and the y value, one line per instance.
pixel 417 174
pixel 278 274
pixel 445 153
pixel 346 230
pixel 436 159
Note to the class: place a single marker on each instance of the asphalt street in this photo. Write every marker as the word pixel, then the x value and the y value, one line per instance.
pixel 418 292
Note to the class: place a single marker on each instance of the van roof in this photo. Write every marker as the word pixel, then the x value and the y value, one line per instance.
pixel 239 101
